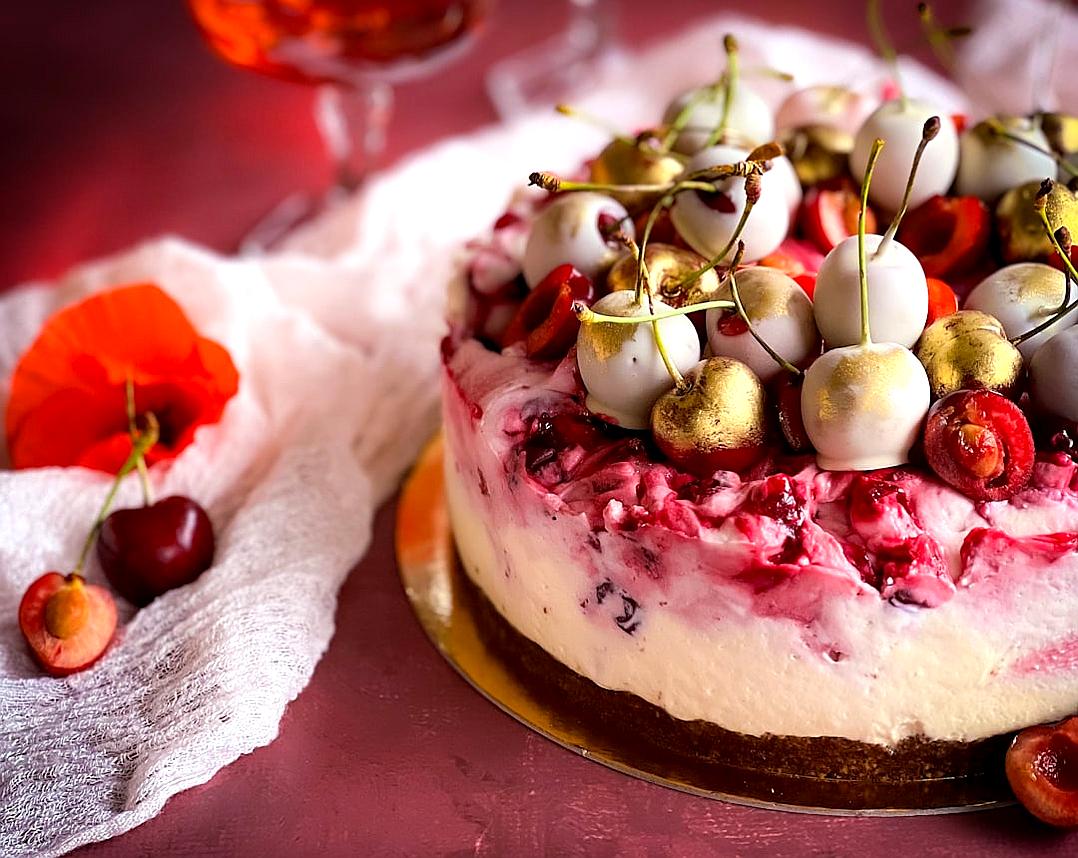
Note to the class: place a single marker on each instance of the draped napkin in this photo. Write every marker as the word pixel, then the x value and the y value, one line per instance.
pixel 336 340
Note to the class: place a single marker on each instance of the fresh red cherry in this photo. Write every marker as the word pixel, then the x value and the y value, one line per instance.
pixel 145 551
pixel 67 623
pixel 979 442
pixel 545 321
pixel 948 234
pixel 829 216
pixel 942 301
pixel 1042 768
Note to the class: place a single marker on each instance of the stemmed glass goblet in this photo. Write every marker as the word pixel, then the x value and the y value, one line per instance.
pixel 354 51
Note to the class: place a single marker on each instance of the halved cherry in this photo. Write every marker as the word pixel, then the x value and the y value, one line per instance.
pixel 1042 768
pixel 942 300
pixel 808 283
pixel 545 322
pixel 979 442
pixel 829 216
pixel 948 234
pixel 67 623
pixel 794 258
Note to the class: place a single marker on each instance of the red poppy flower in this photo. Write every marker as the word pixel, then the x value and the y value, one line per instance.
pixel 68 400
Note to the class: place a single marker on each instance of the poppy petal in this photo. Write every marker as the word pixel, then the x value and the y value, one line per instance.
pixel 67 403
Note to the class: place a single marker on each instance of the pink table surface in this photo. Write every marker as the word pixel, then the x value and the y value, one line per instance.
pixel 118 125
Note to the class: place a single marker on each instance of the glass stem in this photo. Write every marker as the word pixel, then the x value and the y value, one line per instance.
pixel 353 121
pixel 591 24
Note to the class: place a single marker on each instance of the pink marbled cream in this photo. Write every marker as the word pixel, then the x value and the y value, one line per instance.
pixel 840 570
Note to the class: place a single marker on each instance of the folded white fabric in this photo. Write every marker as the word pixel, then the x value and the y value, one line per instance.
pixel 336 342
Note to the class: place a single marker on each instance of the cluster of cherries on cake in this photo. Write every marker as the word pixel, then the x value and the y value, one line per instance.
pixel 144 551
pixel 843 355
pixel 760 309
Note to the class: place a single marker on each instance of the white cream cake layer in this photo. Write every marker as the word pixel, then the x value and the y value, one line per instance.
pixel 820 654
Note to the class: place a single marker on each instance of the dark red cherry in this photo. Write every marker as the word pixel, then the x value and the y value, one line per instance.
pixel 145 551
pixel 1042 768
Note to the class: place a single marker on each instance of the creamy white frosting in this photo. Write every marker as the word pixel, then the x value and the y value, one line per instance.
pixel 1000 655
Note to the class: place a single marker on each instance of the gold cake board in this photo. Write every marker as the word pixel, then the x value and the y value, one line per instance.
pixel 452 614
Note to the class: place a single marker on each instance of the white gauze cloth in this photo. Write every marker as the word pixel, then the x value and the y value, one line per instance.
pixel 336 342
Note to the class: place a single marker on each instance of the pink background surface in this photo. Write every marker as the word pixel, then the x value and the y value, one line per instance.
pixel 119 125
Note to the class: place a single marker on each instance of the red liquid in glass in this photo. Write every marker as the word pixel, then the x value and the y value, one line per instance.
pixel 335 41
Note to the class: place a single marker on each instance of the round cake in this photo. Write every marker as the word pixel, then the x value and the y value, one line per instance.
pixel 718 435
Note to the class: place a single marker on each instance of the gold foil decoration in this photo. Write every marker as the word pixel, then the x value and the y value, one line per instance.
pixel 818 152
pixel 667 266
pixel 765 293
pixel 722 409
pixel 967 350
pixel 1021 234
pixel 863 381
pixel 625 162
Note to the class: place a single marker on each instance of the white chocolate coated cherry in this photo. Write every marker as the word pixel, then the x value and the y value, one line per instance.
pixel 567 231
pixel 620 365
pixel 708 230
pixel 990 166
pixel 780 312
pixel 1052 373
pixel 1023 296
pixel 786 177
pixel 831 106
pixel 897 294
pixel 863 406
pixel 750 120
pixel 901 128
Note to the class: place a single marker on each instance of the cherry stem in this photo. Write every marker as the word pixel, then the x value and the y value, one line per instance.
pixel 1062 248
pixel 767 71
pixel 1053 235
pixel 1055 317
pixel 997 128
pixel 756 164
pixel 886 50
pixel 588 316
pixel 862 262
pixel 750 200
pixel 132 429
pixel 145 440
pixel 775 356
pixel 596 121
pixel 557 185
pixel 703 94
pixel 660 345
pixel 928 134
pixel 939 38
pixel 653 216
pixel 729 90
pixel 642 274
